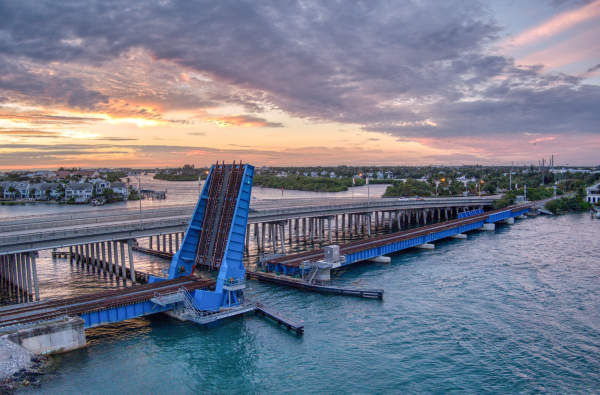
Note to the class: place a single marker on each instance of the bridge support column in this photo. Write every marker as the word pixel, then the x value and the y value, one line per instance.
pixel 87 254
pixel 92 255
pixel 247 245
pixel 177 241
pixel 116 251
pixel 522 216
pixel 29 276
pixel 19 274
pixel 34 274
pixel 171 243
pixel 459 236
pixel 509 221
pixel 131 268
pixel 103 260
pixel 262 243
pixel 109 265
pixel 71 255
pixel 282 232
pixel 330 234
pixel 164 242
pixel 150 242
pixel 158 243
pixel 97 255
pixel 123 268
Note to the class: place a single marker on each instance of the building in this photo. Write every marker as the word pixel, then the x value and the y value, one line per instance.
pixel 332 175
pixel 46 190
pixel 86 173
pixel 282 174
pixel 119 188
pixel 17 190
pixel 593 194
pixel 80 191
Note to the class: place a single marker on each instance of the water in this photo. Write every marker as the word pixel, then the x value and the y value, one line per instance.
pixel 182 192
pixel 515 310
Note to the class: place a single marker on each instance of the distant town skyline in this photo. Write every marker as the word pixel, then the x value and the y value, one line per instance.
pixel 147 84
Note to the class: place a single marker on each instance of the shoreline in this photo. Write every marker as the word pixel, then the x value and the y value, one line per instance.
pixel 18 367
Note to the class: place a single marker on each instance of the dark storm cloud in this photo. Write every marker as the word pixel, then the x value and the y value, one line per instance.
pixel 45 88
pixel 409 68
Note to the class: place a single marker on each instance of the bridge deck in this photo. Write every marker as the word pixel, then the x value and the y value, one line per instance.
pixel 419 235
pixel 17 316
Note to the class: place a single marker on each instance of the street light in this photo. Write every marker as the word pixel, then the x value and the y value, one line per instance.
pixel 140 198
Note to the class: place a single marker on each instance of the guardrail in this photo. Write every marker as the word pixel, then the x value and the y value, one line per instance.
pixel 89 231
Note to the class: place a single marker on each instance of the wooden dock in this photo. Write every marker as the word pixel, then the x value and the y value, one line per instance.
pixel 300 284
pixel 162 254
pixel 275 316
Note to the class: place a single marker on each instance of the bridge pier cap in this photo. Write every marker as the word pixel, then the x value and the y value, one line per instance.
pixel 222 208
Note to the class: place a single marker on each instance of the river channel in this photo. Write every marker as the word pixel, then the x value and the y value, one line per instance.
pixel 509 311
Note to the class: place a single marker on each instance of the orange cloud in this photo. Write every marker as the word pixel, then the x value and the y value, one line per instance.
pixel 245 121
pixel 556 25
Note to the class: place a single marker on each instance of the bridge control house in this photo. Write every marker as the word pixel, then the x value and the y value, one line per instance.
pixel 593 194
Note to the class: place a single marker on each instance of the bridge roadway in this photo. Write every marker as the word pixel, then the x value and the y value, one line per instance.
pixel 100 308
pixel 376 246
pixel 34 233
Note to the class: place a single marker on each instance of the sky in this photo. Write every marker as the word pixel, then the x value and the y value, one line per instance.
pixel 292 83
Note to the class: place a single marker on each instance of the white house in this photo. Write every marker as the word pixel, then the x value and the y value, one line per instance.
pixel 379 175
pixel 79 191
pixel 40 190
pixel 281 174
pixel 332 175
pixel 21 189
pixel 593 194
pixel 314 174
pixel 119 187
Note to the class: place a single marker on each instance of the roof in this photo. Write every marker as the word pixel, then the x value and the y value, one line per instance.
pixel 79 186
pixel 118 185
pixel 594 187
pixel 88 173
pixel 47 185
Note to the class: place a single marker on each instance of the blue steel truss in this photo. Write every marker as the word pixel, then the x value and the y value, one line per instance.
pixel 231 266
pixel 413 242
pixel 470 213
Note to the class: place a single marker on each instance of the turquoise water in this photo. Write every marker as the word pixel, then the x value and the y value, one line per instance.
pixel 510 311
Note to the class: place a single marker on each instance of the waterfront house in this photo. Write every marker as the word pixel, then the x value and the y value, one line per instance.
pixel 593 194
pixel 332 175
pixel 282 174
pixel 41 190
pixel 80 191
pixel 119 188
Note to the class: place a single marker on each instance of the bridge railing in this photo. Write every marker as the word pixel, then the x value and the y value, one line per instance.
pixel 89 231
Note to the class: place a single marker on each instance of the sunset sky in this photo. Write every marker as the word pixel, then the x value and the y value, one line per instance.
pixel 163 83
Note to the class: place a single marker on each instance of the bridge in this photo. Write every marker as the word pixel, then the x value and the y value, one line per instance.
pixel 214 236
pixel 360 250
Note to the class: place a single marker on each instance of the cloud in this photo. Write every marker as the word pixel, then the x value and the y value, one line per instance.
pixel 196 133
pixel 45 119
pixel 416 70
pixel 246 121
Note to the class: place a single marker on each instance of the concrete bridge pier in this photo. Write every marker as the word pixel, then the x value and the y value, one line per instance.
pixel 509 221
pixel 459 236
pixel 488 226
